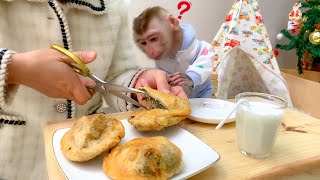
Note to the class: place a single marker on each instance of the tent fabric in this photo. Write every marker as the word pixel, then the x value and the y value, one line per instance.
pixel 243 56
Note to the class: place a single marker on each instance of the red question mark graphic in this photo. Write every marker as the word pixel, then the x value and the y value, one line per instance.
pixel 187 7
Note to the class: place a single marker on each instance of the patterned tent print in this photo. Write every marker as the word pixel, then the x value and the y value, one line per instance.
pixel 243 56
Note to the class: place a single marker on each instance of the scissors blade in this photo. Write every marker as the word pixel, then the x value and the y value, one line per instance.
pixel 119 88
pixel 126 98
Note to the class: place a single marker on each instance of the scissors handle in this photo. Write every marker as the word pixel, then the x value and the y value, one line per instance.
pixel 102 86
pixel 82 69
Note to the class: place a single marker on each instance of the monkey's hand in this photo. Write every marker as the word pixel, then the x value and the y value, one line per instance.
pixel 180 79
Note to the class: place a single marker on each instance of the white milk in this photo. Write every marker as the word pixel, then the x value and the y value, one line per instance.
pixel 257 126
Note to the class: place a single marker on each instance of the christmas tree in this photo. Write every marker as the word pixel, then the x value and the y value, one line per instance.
pixel 306 40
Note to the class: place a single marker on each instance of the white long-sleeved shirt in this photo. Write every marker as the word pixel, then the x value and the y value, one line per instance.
pixel 195 60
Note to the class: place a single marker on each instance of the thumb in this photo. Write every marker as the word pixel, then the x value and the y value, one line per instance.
pixel 140 83
pixel 86 56
pixel 143 82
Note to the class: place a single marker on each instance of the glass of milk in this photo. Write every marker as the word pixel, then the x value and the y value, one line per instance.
pixel 258 119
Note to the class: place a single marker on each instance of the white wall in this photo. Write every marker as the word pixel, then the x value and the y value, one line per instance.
pixel 206 16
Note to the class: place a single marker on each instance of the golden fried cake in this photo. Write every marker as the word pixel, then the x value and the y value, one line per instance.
pixel 144 158
pixel 163 110
pixel 90 136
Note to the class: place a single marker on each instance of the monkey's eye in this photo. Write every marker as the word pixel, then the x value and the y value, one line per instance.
pixel 143 43
pixel 154 39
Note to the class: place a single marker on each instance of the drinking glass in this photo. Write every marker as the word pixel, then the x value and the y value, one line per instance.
pixel 258 119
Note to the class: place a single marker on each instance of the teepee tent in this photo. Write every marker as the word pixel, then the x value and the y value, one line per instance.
pixel 243 55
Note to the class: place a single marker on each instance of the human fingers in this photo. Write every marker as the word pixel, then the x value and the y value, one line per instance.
pixel 178 91
pixel 68 88
pixel 156 79
pixel 80 93
pixel 160 77
pixel 78 84
pixel 54 79
pixel 87 81
pixel 78 88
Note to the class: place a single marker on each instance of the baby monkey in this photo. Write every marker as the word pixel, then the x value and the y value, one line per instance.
pixel 175 50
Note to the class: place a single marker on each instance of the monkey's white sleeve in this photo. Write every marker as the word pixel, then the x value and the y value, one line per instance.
pixel 200 70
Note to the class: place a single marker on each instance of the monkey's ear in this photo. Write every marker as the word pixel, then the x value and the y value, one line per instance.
pixel 174 22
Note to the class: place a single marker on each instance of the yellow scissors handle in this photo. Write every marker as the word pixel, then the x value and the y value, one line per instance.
pixel 83 70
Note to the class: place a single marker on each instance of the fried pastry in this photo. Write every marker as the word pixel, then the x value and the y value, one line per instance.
pixel 144 158
pixel 163 110
pixel 90 136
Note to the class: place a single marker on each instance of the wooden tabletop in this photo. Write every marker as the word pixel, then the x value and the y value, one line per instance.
pixel 297 150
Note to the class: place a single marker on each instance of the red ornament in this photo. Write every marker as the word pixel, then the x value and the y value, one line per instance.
pixel 276 52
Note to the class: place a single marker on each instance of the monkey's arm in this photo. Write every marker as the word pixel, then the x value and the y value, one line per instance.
pixel 201 68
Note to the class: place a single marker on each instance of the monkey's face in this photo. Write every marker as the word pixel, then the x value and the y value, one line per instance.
pixel 157 41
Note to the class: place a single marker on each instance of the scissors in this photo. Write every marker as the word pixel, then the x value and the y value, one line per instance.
pixel 101 86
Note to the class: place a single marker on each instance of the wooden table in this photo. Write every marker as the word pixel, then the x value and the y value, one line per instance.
pixel 297 150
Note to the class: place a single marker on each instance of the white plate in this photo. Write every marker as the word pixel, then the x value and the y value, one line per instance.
pixel 197 156
pixel 208 110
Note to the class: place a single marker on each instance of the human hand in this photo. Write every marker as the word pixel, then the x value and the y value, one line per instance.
pixel 180 79
pixel 157 79
pixel 48 72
